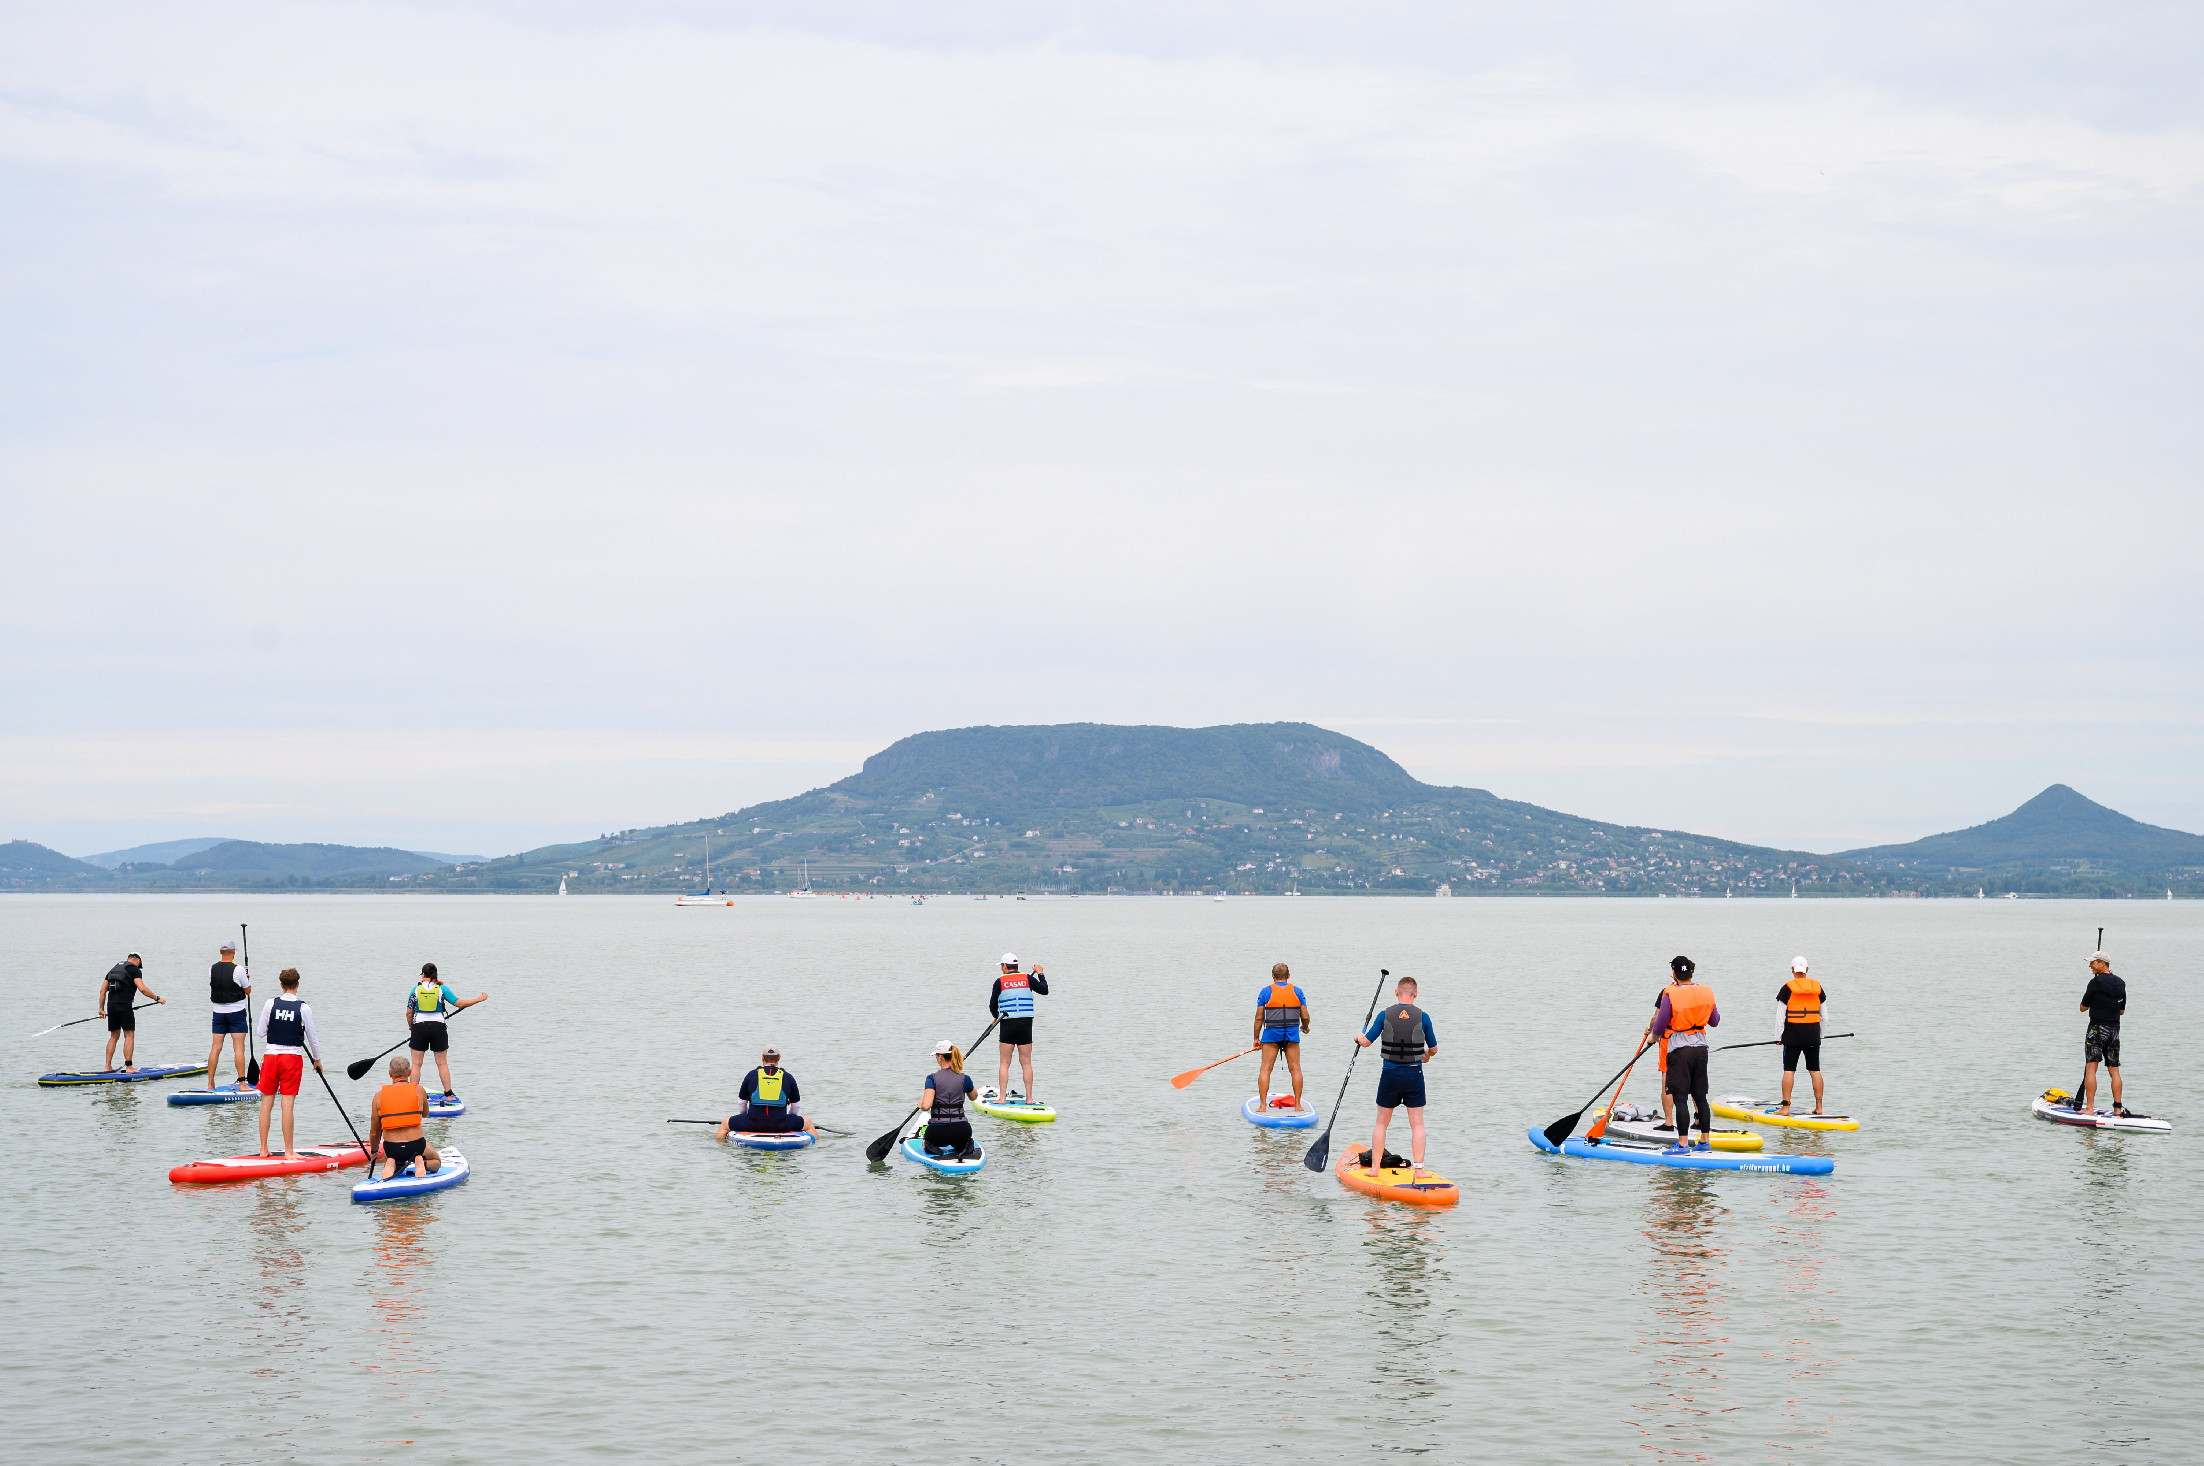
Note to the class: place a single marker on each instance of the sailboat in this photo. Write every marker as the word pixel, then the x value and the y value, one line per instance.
pixel 562 885
pixel 806 894
pixel 705 897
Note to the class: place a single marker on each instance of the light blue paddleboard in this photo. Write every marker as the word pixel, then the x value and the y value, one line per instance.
pixel 773 1139
pixel 223 1094
pixel 1720 1160
pixel 914 1149
pixel 407 1183
pixel 1277 1119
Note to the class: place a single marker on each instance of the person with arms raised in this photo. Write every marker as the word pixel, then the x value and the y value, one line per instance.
pixel 770 1102
pixel 2105 1001
pixel 1802 999
pixel 1011 1002
pixel 118 996
pixel 394 1132
pixel 231 998
pixel 1407 1042
pixel 288 1039
pixel 427 1003
pixel 1281 1017
pixel 1685 1014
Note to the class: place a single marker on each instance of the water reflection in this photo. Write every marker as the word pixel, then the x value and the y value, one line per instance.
pixel 1403 1246
pixel 400 1283
pixel 1805 1306
pixel 2104 1312
pixel 1688 1275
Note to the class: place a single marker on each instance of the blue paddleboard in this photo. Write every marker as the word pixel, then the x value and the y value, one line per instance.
pixel 773 1139
pixel 226 1094
pixel 1277 1119
pixel 120 1076
pixel 407 1183
pixel 446 1106
pixel 1720 1160
pixel 914 1149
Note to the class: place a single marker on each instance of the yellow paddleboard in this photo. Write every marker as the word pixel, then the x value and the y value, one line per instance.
pixel 1764 1112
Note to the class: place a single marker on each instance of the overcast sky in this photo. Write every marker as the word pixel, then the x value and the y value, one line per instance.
pixel 470 426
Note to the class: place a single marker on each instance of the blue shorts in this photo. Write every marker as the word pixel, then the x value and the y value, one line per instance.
pixel 1400 1085
pixel 1280 1036
pixel 230 1022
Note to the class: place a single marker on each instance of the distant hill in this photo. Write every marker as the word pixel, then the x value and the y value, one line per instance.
pixel 24 865
pixel 2057 839
pixel 249 858
pixel 228 865
pixel 159 853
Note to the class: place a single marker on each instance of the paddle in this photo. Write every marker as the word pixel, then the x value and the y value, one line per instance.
pixel 878 1150
pixel 358 1067
pixel 325 1084
pixel 1599 1125
pixel 1765 1043
pixel 96 1017
pixel 823 1130
pixel 1564 1127
pixel 252 1070
pixel 2085 1068
pixel 1193 1074
pixel 1321 1152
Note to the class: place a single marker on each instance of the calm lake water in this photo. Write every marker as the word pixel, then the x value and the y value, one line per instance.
pixel 1150 1278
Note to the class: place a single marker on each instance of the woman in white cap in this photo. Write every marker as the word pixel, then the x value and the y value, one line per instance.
pixel 771 1103
pixel 948 1132
pixel 1802 999
pixel 1011 1003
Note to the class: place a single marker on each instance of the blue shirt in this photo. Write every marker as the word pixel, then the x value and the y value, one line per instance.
pixel 1292 1031
pixel 1377 1027
pixel 450 999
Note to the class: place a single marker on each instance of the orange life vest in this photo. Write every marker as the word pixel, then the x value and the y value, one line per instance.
pixel 1805 1004
pixel 1689 1006
pixel 401 1106
pixel 1282 1007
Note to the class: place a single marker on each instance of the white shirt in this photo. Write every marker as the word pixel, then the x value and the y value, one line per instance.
pixel 306 1021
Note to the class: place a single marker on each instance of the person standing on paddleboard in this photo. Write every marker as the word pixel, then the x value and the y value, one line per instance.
pixel 1660 1048
pixel 1802 999
pixel 427 1003
pixel 770 1102
pixel 2105 1001
pixel 288 1039
pixel 1686 1012
pixel 231 997
pixel 394 1125
pixel 1011 1002
pixel 118 995
pixel 948 1132
pixel 1281 1017
pixel 1408 1041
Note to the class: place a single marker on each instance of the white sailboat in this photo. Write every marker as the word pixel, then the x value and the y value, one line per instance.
pixel 562 885
pixel 705 897
pixel 806 893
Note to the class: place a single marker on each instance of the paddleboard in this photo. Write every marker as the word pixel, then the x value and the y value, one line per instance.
pixel 914 1148
pixel 1397 1183
pixel 1763 1112
pixel 1646 1155
pixel 1014 1108
pixel 2057 1106
pixel 446 1106
pixel 225 1094
pixel 773 1139
pixel 120 1076
pixel 1653 1132
pixel 250 1167
pixel 409 1183
pixel 1276 1118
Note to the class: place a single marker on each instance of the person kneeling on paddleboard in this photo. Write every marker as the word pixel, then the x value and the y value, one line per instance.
pixel 2105 1001
pixel 1011 1002
pixel 1281 1017
pixel 1802 999
pixel 288 1040
pixel 1409 1041
pixel 769 1102
pixel 427 1003
pixel 948 1132
pixel 394 1123
pixel 1685 1014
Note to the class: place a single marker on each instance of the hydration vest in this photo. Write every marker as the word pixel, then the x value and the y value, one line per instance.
pixel 1016 998
pixel 1282 1007
pixel 122 978
pixel 401 1106
pixel 766 1095
pixel 1805 1004
pixel 222 984
pixel 948 1097
pixel 1689 1007
pixel 286 1027
pixel 1401 1042
pixel 428 1000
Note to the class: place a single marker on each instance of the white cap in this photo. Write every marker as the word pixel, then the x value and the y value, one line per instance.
pixel 1798 964
pixel 229 946
pixel 1010 959
pixel 946 1046
pixel 2101 957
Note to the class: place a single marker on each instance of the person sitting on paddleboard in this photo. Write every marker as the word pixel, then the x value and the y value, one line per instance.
pixel 118 995
pixel 394 1125
pixel 769 1102
pixel 231 997
pixel 426 1004
pixel 948 1132
pixel 1011 1001
pixel 1686 1012
pixel 288 1039
pixel 1281 1017
pixel 2105 1001
pixel 1409 1041
pixel 1802 999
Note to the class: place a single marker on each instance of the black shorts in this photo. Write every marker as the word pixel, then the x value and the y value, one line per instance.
pixel 124 1022
pixel 1802 1040
pixel 947 1137
pixel 1687 1075
pixel 765 1122
pixel 403 1151
pixel 1016 1031
pixel 2101 1045
pixel 429 1036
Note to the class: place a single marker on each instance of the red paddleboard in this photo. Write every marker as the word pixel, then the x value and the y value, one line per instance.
pixel 247 1167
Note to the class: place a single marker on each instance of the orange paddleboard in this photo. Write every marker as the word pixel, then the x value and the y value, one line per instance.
pixel 1395 1183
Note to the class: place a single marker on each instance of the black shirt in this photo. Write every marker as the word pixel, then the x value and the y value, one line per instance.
pixel 2106 998
pixel 122 983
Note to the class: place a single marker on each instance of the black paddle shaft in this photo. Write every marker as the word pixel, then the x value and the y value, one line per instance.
pixel 252 1069
pixel 325 1084
pixel 1321 1152
pixel 878 1150
pixel 1566 1125
pixel 1770 1042
pixel 358 1067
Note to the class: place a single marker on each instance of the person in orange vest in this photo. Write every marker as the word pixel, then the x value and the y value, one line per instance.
pixel 1281 1017
pixel 1802 999
pixel 1686 1012
pixel 1660 1054
pixel 394 1125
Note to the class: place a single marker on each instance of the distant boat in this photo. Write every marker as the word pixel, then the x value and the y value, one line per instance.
pixel 1444 890
pixel 806 893
pixel 562 885
pixel 705 897
pixel 1978 893
pixel 1218 897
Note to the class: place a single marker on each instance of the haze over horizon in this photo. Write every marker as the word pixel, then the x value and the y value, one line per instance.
pixel 472 426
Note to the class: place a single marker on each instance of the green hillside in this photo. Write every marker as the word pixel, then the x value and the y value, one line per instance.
pixel 227 866
pixel 2057 842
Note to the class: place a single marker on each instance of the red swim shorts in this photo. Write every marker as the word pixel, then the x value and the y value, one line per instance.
pixel 280 1073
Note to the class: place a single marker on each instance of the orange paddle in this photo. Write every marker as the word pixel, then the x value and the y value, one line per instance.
pixel 1193 1074
pixel 1599 1126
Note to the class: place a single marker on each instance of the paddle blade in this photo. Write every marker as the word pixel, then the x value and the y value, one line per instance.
pixel 1189 1077
pixel 1319 1153
pixel 878 1150
pixel 358 1067
pixel 1563 1128
pixel 252 1072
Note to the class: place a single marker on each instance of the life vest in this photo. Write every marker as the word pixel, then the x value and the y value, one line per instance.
pixel 122 978
pixel 766 1094
pixel 428 1000
pixel 1016 998
pixel 1805 1004
pixel 1282 1007
pixel 1689 1007
pixel 948 1086
pixel 286 1025
pixel 401 1106
pixel 222 985
pixel 1401 1041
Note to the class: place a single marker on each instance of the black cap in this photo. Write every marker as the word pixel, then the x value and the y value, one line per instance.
pixel 133 957
pixel 1682 966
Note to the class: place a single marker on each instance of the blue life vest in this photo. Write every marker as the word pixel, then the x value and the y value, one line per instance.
pixel 1016 998
pixel 286 1029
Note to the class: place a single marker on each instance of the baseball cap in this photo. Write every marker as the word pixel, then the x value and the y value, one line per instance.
pixel 769 1052
pixel 946 1046
pixel 1798 964
pixel 2104 957
pixel 229 946
pixel 1010 959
